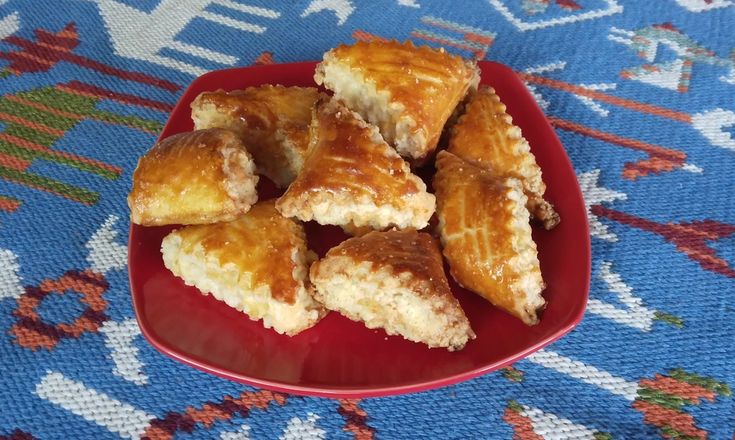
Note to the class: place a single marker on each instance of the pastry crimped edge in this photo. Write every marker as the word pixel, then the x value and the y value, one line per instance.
pixel 532 180
pixel 524 260
pixel 348 285
pixel 356 213
pixel 378 106
pixel 223 282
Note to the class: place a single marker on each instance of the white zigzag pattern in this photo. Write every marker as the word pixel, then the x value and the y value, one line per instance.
pixel 409 3
pixel 341 8
pixel 9 24
pixel 119 338
pixel 712 125
pixel 612 7
pixel 106 255
pixel 586 373
pixel 635 315
pixel 10 282
pixel 298 429
pixel 143 35
pixel 552 427
pixel 594 195
pixel 587 101
pixel 704 5
pixel 242 433
pixel 96 407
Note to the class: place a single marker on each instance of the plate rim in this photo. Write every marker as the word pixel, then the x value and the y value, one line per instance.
pixel 362 391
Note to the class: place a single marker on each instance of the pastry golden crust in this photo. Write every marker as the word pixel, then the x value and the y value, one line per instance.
pixel 483 224
pixel 198 177
pixel 272 120
pixel 356 231
pixel 351 176
pixel 257 264
pixel 409 92
pixel 393 280
pixel 485 135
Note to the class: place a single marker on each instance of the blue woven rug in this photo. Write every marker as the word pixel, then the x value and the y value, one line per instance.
pixel 642 94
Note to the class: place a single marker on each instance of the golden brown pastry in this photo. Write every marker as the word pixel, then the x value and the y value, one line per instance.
pixel 393 280
pixel 409 92
pixel 273 121
pixel 257 264
pixel 485 135
pixel 483 225
pixel 197 177
pixel 351 176
pixel 355 231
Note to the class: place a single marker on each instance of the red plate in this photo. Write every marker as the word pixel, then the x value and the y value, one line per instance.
pixel 338 357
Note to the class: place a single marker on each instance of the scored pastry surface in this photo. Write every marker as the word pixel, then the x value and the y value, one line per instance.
pixel 352 177
pixel 409 92
pixel 485 135
pixel 483 225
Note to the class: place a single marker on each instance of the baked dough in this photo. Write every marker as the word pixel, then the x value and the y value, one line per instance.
pixel 485 135
pixel 393 280
pixel 198 177
pixel 483 225
pixel 352 177
pixel 273 121
pixel 409 92
pixel 257 264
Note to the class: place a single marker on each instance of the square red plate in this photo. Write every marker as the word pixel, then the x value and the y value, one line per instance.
pixel 338 357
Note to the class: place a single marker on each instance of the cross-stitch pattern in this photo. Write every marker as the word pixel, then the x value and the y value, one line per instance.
pixel 641 94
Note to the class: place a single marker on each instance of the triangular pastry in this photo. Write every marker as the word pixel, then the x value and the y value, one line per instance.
pixel 272 120
pixel 198 177
pixel 409 92
pixel 352 177
pixel 393 280
pixel 485 135
pixel 483 224
pixel 257 264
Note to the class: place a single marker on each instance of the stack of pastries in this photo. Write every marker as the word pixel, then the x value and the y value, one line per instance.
pixel 348 160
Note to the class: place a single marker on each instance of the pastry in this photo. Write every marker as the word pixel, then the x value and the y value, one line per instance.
pixel 393 280
pixel 198 177
pixel 352 177
pixel 257 264
pixel 272 120
pixel 484 229
pixel 485 135
pixel 409 92
pixel 355 231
